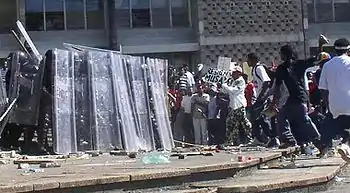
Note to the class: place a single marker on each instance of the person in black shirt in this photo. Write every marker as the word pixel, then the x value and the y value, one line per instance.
pixel 294 114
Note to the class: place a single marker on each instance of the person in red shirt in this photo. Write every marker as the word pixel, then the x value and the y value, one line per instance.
pixel 250 91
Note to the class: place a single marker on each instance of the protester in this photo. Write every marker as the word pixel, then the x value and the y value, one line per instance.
pixel 190 77
pixel 249 92
pixel 294 113
pixel 199 105
pixel 334 83
pixel 261 123
pixel 212 116
pixel 183 82
pixel 187 125
pixel 237 123
pixel 222 101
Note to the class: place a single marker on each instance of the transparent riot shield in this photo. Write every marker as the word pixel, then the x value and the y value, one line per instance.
pixel 28 42
pixel 105 122
pixel 63 119
pixel 139 87
pixel 83 108
pixel 29 79
pixel 159 102
pixel 124 102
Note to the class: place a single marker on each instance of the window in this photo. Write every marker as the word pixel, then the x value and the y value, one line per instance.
pixel 140 13
pixel 44 15
pixel 54 14
pixel 311 12
pixel 160 13
pixel 341 10
pixel 8 15
pixel 95 14
pixel 180 13
pixel 152 13
pixel 34 15
pixel 122 13
pixel 75 17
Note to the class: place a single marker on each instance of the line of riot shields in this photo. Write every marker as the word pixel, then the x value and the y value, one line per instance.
pixel 103 100
pixel 89 99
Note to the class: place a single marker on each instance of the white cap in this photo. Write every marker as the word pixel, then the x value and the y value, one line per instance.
pixel 237 69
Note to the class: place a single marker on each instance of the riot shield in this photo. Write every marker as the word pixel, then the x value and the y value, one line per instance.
pixel 63 120
pixel 139 92
pixel 29 43
pixel 124 103
pixel 156 75
pixel 105 125
pixel 83 108
pixel 29 79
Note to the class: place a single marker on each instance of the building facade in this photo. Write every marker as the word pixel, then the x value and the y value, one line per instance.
pixel 183 31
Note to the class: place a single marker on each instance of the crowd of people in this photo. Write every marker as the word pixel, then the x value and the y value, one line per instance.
pixel 283 106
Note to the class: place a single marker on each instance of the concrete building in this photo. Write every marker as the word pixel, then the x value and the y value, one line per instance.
pixel 183 31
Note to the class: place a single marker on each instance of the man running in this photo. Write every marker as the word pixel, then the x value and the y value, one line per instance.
pixel 334 83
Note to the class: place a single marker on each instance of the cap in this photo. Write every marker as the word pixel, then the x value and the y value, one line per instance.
pixel 237 69
pixel 213 88
pixel 342 44
pixel 324 56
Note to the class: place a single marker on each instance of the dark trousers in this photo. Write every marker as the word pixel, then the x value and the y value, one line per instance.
pixel 274 127
pixel 330 128
pixel 262 129
pixel 187 125
pixel 216 131
pixel 296 125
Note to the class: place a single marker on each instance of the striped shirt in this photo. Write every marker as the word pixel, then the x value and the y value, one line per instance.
pixel 183 82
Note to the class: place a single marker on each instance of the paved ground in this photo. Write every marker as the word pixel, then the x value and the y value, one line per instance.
pixel 106 169
pixel 342 182
pixel 181 176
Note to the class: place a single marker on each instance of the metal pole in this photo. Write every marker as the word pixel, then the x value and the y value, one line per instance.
pixel 303 26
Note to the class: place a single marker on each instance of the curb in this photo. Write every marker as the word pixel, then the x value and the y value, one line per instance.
pixel 285 185
pixel 187 172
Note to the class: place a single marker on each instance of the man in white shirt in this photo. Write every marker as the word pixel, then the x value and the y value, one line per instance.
pixel 237 121
pixel 190 79
pixel 262 83
pixel 335 85
pixel 187 124
pixel 199 105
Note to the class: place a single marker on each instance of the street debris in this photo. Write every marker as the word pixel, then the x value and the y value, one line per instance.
pixel 50 165
pixel 156 158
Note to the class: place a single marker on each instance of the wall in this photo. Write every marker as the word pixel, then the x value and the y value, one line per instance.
pixel 236 28
pixel 157 40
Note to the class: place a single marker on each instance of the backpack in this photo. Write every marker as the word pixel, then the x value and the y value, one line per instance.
pixel 269 73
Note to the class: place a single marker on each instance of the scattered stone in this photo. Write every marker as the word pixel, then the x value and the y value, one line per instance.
pixel 117 152
pixel 4 162
pixel 50 165
pixel 13 154
pixel 23 166
pixel 84 156
pixel 93 153
pixel 240 158
pixel 208 154
pixel 132 155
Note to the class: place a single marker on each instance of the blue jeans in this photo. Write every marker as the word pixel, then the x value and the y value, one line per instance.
pixel 295 124
pixel 330 128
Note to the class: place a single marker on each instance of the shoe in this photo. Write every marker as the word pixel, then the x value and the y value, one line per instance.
pixel 344 150
pixel 273 143
pixel 256 142
pixel 287 145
